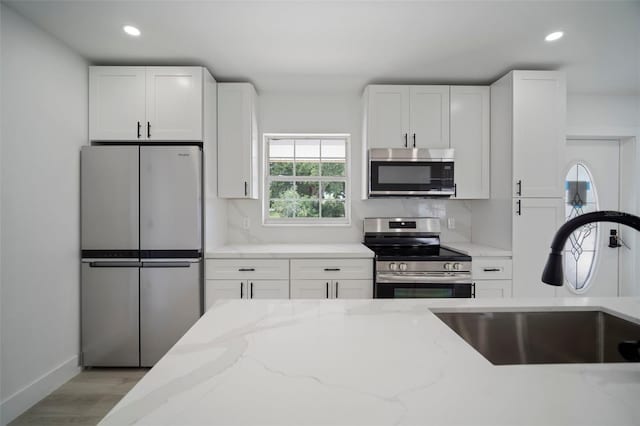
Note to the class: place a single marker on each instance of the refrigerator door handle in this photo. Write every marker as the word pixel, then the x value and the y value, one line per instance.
pixel 166 264
pixel 115 264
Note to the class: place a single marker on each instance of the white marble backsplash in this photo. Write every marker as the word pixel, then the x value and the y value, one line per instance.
pixel 261 234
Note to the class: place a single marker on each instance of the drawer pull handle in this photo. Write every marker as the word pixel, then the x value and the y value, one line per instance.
pixel 246 269
pixel 492 269
pixel 331 269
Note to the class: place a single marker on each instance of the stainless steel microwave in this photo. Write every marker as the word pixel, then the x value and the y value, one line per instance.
pixel 411 172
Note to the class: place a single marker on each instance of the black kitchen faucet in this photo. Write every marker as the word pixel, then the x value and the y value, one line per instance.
pixel 553 273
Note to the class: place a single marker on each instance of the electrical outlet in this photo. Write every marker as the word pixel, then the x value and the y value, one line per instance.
pixel 245 222
pixel 451 223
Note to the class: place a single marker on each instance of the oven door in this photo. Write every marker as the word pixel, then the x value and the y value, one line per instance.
pixel 419 178
pixel 413 286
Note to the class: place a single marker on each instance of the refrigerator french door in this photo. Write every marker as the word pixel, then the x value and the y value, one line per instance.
pixel 141 210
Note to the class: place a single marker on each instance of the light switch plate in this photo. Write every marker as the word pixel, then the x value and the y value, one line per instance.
pixel 451 223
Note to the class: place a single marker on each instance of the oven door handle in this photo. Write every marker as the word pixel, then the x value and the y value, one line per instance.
pixel 426 279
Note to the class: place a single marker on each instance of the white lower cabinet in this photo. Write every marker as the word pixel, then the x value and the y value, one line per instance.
pixel 353 289
pixel 246 289
pixel 492 277
pixel 271 279
pixel 311 289
pixel 331 289
pixel 268 289
pixel 492 288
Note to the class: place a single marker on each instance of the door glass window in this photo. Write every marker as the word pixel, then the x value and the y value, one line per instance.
pixel 580 249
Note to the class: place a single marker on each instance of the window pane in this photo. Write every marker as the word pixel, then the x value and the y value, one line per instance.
pixel 333 190
pixel 308 209
pixel 281 190
pixel 308 148
pixel 307 189
pixel 281 149
pixel 333 209
pixel 332 169
pixel 307 168
pixel 333 149
pixel 281 208
pixel 281 168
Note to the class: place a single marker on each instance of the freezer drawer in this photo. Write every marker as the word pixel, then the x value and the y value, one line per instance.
pixel 110 314
pixel 170 303
pixel 170 199
pixel 109 197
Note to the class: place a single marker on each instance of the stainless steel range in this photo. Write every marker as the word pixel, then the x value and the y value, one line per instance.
pixel 410 263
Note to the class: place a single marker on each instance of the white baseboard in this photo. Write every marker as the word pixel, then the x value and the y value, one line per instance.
pixel 26 397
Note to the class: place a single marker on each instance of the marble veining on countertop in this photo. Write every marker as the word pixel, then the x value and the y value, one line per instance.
pixel 353 250
pixel 370 362
pixel 478 250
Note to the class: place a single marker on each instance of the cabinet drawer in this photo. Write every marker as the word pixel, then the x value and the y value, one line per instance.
pixel 244 269
pixel 331 269
pixel 491 268
pixel 493 288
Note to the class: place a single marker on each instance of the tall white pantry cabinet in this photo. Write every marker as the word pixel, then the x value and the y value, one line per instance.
pixel 528 114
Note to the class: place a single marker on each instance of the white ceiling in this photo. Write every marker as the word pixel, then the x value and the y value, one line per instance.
pixel 343 45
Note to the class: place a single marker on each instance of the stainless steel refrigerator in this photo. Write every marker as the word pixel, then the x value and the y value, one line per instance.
pixel 141 270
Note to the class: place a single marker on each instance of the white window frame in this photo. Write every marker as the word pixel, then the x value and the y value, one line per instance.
pixel 266 178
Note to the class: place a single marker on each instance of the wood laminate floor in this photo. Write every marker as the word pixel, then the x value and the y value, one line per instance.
pixel 83 400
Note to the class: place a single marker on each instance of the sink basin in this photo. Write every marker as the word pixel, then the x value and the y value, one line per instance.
pixel 554 337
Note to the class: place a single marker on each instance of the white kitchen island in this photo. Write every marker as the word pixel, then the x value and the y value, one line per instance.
pixel 370 362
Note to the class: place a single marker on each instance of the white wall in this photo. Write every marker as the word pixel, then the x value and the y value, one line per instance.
pixel 44 106
pixel 332 113
pixel 606 116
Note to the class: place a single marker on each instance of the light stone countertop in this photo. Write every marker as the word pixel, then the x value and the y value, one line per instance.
pixel 256 251
pixel 477 250
pixel 370 362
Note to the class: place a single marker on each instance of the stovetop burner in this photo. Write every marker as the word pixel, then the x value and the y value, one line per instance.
pixel 408 239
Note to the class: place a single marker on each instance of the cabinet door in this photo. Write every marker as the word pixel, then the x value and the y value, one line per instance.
pixel 534 225
pixel 353 289
pixel 429 117
pixel 224 289
pixel 387 116
pixel 470 138
pixel 237 141
pixel 174 104
pixel 268 289
pixel 311 289
pixel 116 103
pixel 493 288
pixel 539 103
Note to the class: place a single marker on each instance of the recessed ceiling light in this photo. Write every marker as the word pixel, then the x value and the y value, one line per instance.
pixel 554 36
pixel 131 30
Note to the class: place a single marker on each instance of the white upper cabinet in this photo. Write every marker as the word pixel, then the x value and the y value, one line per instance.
pixel 174 103
pixel 400 116
pixel 145 103
pixel 539 110
pixel 387 118
pixel 429 116
pixel 117 103
pixel 237 141
pixel 470 139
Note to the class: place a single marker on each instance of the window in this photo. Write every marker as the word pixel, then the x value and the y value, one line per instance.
pixel 306 179
pixel 580 250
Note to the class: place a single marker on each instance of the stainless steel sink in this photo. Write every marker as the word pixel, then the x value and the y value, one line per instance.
pixel 543 337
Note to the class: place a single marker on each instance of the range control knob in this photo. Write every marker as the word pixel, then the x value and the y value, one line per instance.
pixel 403 266
pixel 448 266
pixel 457 266
pixel 393 266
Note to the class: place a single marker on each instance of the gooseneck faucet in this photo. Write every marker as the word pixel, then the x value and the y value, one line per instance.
pixel 553 273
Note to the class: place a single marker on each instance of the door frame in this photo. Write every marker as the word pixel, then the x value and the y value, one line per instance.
pixel 628 201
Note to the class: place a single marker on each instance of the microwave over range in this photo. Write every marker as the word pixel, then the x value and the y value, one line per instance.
pixel 411 172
